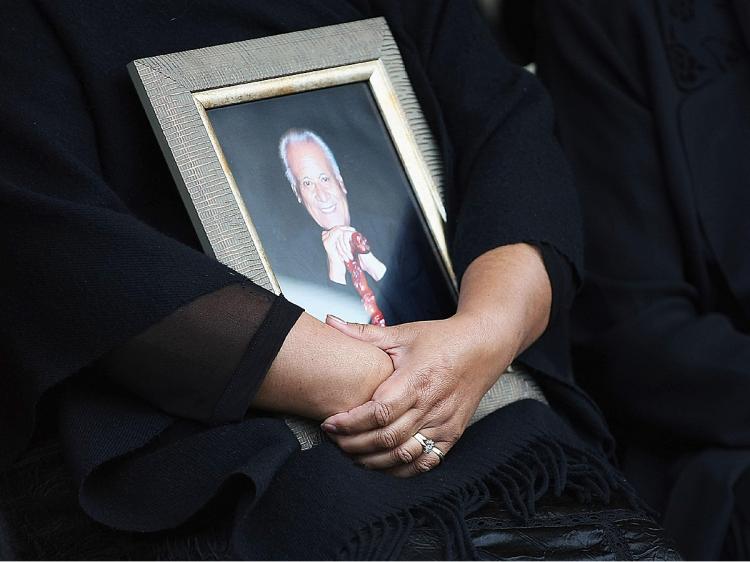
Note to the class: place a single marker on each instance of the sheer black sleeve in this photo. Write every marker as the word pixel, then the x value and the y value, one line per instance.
pixel 206 360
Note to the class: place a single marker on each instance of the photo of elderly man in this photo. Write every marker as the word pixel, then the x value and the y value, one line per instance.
pixel 335 214
pixel 315 178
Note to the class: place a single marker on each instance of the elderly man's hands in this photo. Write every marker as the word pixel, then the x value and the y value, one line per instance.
pixel 372 265
pixel 337 242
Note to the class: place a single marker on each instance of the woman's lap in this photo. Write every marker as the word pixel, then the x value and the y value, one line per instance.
pixel 39 501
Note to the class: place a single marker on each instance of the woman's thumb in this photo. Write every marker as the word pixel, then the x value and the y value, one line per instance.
pixel 376 335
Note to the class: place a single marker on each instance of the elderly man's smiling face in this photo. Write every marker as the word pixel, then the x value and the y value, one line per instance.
pixel 319 189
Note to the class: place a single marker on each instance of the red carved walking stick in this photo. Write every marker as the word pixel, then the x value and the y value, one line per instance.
pixel 359 245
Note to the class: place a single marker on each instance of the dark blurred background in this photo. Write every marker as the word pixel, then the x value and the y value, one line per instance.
pixel 512 23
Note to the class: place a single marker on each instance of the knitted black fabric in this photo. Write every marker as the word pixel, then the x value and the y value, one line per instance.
pixel 6 548
pixel 39 499
pixel 101 249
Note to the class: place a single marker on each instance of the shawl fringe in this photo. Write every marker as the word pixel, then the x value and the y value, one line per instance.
pixel 545 466
pixel 41 485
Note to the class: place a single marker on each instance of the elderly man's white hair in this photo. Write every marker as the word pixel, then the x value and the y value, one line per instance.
pixel 303 135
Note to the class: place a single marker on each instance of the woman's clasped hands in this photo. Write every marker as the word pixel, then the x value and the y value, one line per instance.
pixel 442 369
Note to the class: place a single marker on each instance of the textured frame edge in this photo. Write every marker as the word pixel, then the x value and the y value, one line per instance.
pixel 153 119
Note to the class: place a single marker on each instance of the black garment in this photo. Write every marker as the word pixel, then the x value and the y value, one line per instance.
pixel 40 502
pixel 652 101
pixel 102 250
pixel 7 550
pixel 44 523
pixel 562 529
pixel 197 363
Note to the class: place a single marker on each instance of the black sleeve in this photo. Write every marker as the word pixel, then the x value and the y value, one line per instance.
pixel 562 278
pixel 653 357
pixel 82 275
pixel 206 360
pixel 506 178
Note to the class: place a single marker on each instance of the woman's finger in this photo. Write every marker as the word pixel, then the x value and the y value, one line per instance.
pixel 370 415
pixel 383 438
pixel 423 463
pixel 379 336
pixel 407 452
pixel 391 400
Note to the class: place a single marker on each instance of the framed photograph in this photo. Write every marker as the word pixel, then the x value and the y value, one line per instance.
pixel 306 165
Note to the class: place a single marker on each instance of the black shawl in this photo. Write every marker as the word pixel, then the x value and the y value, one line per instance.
pixel 99 248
